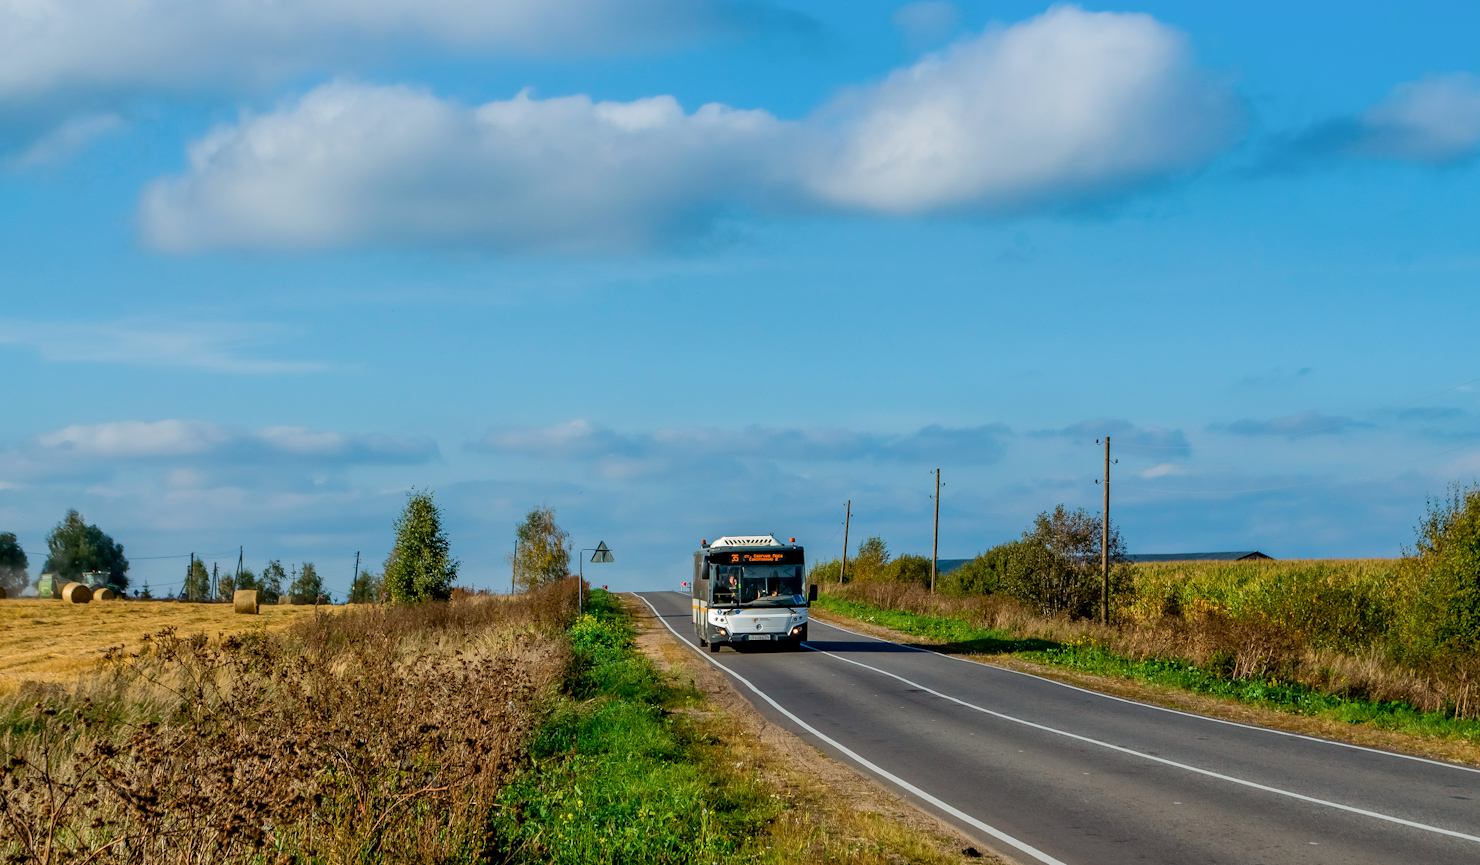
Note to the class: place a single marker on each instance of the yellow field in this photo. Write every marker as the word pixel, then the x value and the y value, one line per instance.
pixel 51 641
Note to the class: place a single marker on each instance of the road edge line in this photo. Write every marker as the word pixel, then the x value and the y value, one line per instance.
pixel 1152 757
pixel 853 755
pixel 1337 743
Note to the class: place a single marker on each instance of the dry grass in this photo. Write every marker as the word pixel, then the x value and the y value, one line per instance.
pixel 374 734
pixel 1252 646
pixel 830 813
pixel 45 640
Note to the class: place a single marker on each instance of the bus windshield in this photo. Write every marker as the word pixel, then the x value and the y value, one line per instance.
pixel 763 585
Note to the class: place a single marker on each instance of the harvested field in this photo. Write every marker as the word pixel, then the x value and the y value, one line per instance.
pixel 46 640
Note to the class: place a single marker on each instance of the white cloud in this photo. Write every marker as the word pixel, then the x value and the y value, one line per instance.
pixel 189 345
pixel 127 439
pixel 66 140
pixel 710 450
pixel 1433 121
pixel 51 46
pixel 1065 107
pixel 1170 442
pixel 1301 423
pixel 353 163
pixel 173 439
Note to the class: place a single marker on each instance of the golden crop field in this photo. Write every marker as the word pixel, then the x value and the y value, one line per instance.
pixel 44 640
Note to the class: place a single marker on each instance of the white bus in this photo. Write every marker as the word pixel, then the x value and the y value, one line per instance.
pixel 750 589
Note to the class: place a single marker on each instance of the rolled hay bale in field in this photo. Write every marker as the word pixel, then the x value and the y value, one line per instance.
pixel 76 593
pixel 103 593
pixel 2 593
pixel 245 601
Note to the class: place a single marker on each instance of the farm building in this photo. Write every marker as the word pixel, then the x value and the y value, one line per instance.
pixel 1240 556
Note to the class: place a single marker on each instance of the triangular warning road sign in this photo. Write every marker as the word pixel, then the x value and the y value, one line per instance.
pixel 602 553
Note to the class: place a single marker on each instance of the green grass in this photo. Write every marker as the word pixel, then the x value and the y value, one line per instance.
pixel 955 636
pixel 617 777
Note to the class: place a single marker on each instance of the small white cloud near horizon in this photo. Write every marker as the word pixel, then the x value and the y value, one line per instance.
pixel 177 438
pixel 1434 121
pixel 1057 111
pixel 204 346
pixel 631 455
pixel 1302 423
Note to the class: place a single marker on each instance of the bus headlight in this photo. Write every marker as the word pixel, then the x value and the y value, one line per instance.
pixel 795 632
pixel 722 632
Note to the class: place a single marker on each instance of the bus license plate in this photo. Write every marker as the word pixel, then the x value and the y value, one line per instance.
pixel 760 636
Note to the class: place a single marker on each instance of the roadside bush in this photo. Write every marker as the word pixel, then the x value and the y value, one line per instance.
pixel 983 575
pixel 1440 613
pixel 1056 569
pixel 908 570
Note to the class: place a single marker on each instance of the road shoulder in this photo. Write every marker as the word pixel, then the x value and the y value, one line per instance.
pixel 841 800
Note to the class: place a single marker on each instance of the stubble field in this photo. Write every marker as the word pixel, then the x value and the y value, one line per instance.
pixel 43 640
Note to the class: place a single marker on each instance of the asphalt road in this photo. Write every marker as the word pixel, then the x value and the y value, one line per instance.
pixel 1045 772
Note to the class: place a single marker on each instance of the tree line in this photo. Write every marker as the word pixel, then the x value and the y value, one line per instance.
pixel 1054 567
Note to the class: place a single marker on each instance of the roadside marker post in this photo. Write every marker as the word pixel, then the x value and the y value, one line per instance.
pixel 599 554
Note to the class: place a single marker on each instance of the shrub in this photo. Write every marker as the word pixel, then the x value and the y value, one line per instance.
pixel 1440 614
pixel 1056 567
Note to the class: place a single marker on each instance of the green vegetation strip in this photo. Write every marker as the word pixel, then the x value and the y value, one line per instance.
pixel 952 635
pixel 619 776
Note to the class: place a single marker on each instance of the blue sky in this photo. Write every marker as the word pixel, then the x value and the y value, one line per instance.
pixel 686 269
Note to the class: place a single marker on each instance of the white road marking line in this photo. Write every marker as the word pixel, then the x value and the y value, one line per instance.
pixel 1208 772
pixel 1160 708
pixel 949 809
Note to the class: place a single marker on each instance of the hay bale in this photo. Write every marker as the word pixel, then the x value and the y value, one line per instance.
pixel 245 601
pixel 103 593
pixel 76 593
pixel 2 593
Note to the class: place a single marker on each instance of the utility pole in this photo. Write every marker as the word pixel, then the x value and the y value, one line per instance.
pixel 1105 544
pixel 935 544
pixel 239 553
pixel 357 572
pixel 215 579
pixel 513 568
pixel 847 518
pixel 185 587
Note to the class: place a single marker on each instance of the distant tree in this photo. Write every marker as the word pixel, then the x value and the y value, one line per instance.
pixel 144 595
pixel 226 586
pixel 13 564
pixel 308 586
pixel 869 564
pixel 74 548
pixel 420 566
pixel 270 587
pixel 365 589
pixel 197 583
pixel 542 550
pixel 246 580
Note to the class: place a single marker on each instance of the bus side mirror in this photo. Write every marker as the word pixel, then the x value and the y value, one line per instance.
pixel 812 593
